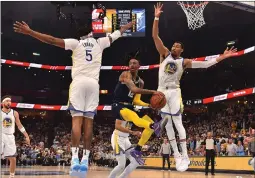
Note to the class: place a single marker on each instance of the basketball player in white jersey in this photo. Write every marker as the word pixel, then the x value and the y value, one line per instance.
pixel 84 89
pixel 8 118
pixel 121 146
pixel 171 68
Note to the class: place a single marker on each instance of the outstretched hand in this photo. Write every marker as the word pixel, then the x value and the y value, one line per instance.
pixel 21 28
pixel 230 52
pixel 158 9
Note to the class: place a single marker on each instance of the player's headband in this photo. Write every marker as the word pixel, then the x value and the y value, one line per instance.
pixel 5 99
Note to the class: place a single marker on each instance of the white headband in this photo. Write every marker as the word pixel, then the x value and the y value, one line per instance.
pixel 6 99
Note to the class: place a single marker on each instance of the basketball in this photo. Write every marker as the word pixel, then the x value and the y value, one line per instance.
pixel 158 101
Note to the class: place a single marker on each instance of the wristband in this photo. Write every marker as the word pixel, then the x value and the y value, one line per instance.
pixel 22 129
pixel 156 18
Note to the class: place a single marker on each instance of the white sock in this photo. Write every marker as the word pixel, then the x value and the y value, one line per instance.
pixel 75 151
pixel 85 154
pixel 12 174
pixel 184 148
pixel 175 148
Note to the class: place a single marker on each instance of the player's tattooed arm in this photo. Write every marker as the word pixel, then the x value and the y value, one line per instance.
pixel 119 127
pixel 163 51
pixel 126 78
pixel 25 29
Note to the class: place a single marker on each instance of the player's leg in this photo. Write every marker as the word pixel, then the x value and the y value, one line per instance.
pixel 76 106
pixel 12 166
pixel 131 116
pixel 133 163
pixel 9 152
pixel 91 104
pixel 118 145
pixel 87 138
pixel 176 109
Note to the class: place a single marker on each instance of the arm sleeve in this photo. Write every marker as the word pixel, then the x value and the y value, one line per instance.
pixel 71 44
pixel 104 42
pixel 137 101
pixel 203 64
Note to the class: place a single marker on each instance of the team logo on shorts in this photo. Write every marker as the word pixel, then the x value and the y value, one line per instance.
pixel 171 68
pixel 7 122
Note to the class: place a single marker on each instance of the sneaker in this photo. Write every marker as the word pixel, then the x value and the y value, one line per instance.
pixel 184 164
pixel 159 126
pixel 84 165
pixel 75 164
pixel 178 161
pixel 138 156
pixel 169 170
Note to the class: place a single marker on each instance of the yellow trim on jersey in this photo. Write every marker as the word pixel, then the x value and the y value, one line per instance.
pixel 137 101
pixel 117 149
pixel 69 94
pixel 181 103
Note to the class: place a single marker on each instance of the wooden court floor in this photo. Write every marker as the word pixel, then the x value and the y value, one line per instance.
pixel 99 172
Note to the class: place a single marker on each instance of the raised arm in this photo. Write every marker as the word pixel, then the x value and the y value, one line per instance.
pixel 188 63
pixel 24 29
pixel 126 78
pixel 163 51
pixel 20 127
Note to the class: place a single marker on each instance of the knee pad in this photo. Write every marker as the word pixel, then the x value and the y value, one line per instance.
pixel 179 126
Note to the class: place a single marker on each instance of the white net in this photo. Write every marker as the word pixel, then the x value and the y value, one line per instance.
pixel 194 13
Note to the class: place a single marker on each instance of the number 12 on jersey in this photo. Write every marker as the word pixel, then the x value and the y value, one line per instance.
pixel 88 55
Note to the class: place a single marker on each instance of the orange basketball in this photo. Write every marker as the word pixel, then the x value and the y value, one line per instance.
pixel 158 100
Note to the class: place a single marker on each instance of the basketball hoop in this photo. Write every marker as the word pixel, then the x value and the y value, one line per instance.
pixel 194 13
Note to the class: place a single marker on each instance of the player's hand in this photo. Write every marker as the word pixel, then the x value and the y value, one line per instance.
pixel 27 140
pixel 158 9
pixel 21 28
pixel 230 52
pixel 137 133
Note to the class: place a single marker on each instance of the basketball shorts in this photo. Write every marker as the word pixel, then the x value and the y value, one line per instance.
pixel 83 97
pixel 174 105
pixel 8 145
pixel 120 144
pixel 117 107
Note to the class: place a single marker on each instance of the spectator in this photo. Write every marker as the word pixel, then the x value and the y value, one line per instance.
pixel 231 148
pixel 165 151
pixel 240 149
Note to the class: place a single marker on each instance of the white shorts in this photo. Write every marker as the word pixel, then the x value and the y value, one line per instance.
pixel 83 97
pixel 8 145
pixel 174 105
pixel 120 144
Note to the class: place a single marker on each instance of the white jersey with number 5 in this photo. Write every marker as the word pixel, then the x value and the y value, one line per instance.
pixel 87 56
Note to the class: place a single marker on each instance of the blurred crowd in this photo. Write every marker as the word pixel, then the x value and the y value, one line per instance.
pixel 230 128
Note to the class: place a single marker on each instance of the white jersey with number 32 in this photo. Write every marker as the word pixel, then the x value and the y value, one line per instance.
pixel 87 56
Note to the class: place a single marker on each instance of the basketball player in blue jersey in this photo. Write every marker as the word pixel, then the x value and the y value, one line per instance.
pixel 127 94
pixel 84 89
pixel 8 119
pixel 171 68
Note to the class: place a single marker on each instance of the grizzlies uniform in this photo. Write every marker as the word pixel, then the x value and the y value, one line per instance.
pixel 8 129
pixel 84 89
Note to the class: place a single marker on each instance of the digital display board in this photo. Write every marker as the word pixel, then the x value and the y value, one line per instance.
pixel 115 18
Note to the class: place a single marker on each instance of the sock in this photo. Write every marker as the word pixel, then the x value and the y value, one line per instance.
pixel 145 137
pixel 75 151
pixel 175 148
pixel 12 174
pixel 85 154
pixel 184 148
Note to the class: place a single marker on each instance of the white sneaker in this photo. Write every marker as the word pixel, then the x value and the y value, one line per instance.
pixel 184 164
pixel 178 161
